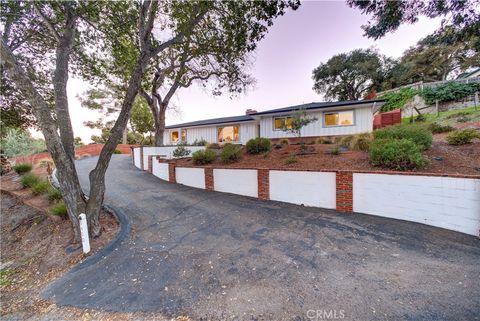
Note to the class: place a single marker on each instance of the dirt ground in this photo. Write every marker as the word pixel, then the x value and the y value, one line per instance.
pixel 444 158
pixel 36 249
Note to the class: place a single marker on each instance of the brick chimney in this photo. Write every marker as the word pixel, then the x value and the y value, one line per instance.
pixel 250 111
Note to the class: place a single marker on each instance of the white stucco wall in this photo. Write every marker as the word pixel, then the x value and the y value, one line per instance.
pixel 136 157
pixel 363 122
pixel 194 177
pixel 307 188
pixel 247 131
pixel 236 181
pixel 166 151
pixel 160 169
pixel 451 203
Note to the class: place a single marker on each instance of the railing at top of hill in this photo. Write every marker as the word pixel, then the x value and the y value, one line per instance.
pixel 421 85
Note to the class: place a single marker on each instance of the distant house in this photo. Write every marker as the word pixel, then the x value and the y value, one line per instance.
pixel 472 74
pixel 334 119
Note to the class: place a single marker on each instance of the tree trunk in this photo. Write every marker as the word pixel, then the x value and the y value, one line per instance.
pixel 160 125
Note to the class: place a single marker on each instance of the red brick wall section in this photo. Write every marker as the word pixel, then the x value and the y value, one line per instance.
pixel 263 184
pixel 209 179
pixel 171 173
pixel 344 185
pixel 141 158
pixel 150 164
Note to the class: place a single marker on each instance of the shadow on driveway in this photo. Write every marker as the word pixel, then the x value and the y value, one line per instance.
pixel 219 256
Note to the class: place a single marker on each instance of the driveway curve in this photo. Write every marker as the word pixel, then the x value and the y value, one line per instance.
pixel 215 256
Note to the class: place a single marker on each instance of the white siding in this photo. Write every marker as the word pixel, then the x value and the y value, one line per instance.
pixel 160 170
pixel 311 188
pixel 136 157
pixel 209 133
pixel 447 202
pixel 363 123
pixel 236 181
pixel 194 177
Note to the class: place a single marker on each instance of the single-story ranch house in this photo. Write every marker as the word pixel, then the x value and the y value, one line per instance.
pixel 333 119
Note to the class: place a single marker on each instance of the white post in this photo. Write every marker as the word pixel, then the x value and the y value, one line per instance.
pixel 82 218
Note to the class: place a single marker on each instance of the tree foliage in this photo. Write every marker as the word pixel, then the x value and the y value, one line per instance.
pixel 300 119
pixel 349 76
pixel 463 16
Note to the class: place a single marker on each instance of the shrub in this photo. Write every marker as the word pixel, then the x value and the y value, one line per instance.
pixel 22 168
pixel 214 146
pixel 202 157
pixel 361 142
pixel 462 137
pixel 231 153
pixel 449 91
pixel 416 133
pixel 116 151
pixel 18 142
pixel 324 141
pixel 277 146
pixel 335 151
pixel 53 194
pixel 59 209
pixel 284 142
pixel 437 128
pixel 181 151
pixel 46 162
pixel 29 180
pixel 201 142
pixel 396 100
pixel 258 145
pixel 463 119
pixel 345 140
pixel 292 159
pixel 397 154
pixel 40 187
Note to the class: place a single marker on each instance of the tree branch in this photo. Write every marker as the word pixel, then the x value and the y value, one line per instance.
pixel 46 22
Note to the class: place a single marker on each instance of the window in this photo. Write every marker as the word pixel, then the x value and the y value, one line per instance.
pixel 280 123
pixel 228 134
pixel 184 135
pixel 174 136
pixel 341 118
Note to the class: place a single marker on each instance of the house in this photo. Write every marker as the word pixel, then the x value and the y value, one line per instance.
pixel 333 119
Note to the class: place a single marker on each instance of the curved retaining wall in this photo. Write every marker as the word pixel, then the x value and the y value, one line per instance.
pixel 451 202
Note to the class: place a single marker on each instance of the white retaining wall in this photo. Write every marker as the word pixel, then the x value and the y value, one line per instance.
pixel 308 188
pixel 136 157
pixel 447 202
pixel 194 177
pixel 165 151
pixel 236 181
pixel 160 170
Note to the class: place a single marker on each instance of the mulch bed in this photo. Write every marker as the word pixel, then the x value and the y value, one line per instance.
pixel 462 160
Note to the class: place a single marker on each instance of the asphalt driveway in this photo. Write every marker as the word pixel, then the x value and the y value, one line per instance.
pixel 215 256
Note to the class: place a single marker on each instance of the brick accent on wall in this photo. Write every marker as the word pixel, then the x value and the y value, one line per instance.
pixel 150 163
pixel 209 179
pixel 171 173
pixel 344 182
pixel 263 177
pixel 141 158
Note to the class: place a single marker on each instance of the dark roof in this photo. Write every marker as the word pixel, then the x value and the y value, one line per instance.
pixel 318 105
pixel 235 119
pixel 467 74
pixel 232 119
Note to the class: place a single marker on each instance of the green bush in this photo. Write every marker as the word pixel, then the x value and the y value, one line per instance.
pixel 231 153
pixel 416 133
pixel 361 142
pixel 437 128
pixel 181 151
pixel 116 151
pixel 201 142
pixel 292 159
pixel 398 154
pixel 462 137
pixel 397 99
pixel 258 145
pixel 40 187
pixel 214 146
pixel 284 142
pixel 29 180
pixel 53 194
pixel 18 142
pixel 59 209
pixel 22 168
pixel 344 140
pixel 335 150
pixel 449 91
pixel 202 157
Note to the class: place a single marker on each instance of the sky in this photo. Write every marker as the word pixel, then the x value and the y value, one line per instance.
pixel 283 62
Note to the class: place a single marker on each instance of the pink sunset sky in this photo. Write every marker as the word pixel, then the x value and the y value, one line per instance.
pixel 297 43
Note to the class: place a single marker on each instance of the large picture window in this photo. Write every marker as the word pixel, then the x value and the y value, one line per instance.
pixel 174 136
pixel 340 118
pixel 184 135
pixel 228 134
pixel 280 123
